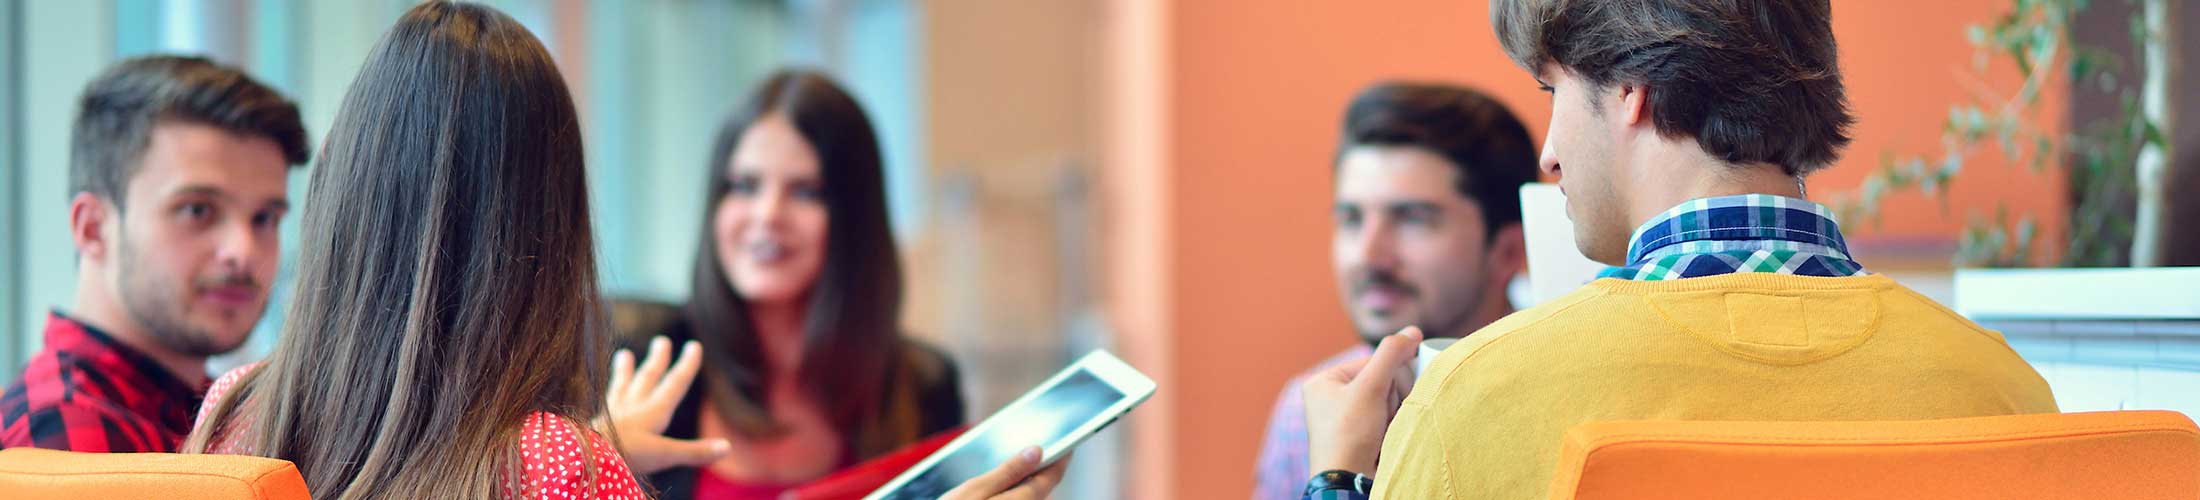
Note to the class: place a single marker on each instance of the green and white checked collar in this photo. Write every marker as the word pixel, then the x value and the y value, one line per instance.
pixel 1751 233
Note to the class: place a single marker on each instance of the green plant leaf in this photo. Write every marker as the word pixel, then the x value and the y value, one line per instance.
pixel 2042 149
pixel 2138 27
pixel 2151 134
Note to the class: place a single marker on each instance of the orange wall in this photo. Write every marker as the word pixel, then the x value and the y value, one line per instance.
pixel 1222 118
pixel 1258 91
pixel 1905 64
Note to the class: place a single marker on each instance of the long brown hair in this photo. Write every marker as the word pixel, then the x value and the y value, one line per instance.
pixel 852 340
pixel 447 286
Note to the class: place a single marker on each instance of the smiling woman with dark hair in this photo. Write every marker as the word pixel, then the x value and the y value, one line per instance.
pixel 796 301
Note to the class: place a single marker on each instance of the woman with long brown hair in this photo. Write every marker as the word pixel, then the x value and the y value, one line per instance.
pixel 795 304
pixel 443 336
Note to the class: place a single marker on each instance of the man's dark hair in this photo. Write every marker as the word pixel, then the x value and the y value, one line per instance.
pixel 1486 145
pixel 115 118
pixel 1752 81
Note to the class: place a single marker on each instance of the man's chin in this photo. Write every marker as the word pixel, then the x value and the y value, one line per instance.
pixel 218 339
pixel 1372 336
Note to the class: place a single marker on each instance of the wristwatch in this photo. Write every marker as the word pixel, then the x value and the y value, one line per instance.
pixel 1340 479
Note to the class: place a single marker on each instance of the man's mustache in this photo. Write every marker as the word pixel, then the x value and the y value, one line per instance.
pixel 1384 279
pixel 230 280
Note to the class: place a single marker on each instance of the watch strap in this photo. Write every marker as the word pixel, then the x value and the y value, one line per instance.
pixel 1339 480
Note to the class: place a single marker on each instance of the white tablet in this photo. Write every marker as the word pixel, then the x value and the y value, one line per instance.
pixel 1056 416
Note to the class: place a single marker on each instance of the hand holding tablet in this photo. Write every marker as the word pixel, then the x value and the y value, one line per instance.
pixel 1056 416
pixel 1008 482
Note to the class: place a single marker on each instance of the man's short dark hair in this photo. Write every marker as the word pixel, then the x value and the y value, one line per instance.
pixel 115 118
pixel 1752 81
pixel 1485 144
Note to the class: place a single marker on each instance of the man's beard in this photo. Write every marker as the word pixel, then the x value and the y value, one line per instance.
pixel 1432 323
pixel 149 299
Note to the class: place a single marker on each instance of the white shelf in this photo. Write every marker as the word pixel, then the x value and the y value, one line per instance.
pixel 2171 293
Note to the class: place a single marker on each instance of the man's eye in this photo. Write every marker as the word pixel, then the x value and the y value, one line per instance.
pixel 1417 217
pixel 1348 218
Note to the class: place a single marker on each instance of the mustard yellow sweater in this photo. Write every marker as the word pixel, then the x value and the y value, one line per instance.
pixel 1486 419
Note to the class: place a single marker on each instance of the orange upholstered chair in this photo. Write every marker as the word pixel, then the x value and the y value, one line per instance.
pixel 36 473
pixel 2119 454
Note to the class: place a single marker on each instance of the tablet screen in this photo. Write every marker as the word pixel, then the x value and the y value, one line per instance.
pixel 1048 418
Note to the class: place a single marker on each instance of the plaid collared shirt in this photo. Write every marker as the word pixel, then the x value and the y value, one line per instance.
pixel 87 392
pixel 1751 233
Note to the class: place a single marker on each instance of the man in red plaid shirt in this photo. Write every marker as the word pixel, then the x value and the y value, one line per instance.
pixel 180 168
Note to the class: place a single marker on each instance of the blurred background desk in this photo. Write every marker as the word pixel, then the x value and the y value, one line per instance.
pixel 2106 339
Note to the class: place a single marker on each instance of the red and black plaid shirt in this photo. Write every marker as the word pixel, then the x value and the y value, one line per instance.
pixel 87 392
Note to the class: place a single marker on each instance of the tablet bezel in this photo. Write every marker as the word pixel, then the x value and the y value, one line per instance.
pixel 1134 386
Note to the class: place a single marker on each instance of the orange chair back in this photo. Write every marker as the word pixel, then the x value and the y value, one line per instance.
pixel 2119 454
pixel 38 473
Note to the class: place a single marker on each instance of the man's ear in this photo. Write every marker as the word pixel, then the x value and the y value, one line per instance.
pixel 89 216
pixel 1508 251
pixel 1634 103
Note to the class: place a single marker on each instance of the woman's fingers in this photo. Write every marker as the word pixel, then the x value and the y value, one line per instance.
pixel 676 381
pixel 652 368
pixel 1039 485
pixel 622 372
pixel 999 479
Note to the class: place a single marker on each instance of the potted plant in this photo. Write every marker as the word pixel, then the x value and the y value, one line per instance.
pixel 2123 183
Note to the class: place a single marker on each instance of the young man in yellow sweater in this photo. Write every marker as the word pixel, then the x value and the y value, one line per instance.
pixel 1680 131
